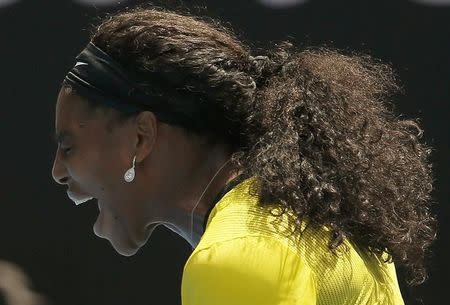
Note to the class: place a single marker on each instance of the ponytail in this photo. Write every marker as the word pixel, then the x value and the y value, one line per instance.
pixel 325 144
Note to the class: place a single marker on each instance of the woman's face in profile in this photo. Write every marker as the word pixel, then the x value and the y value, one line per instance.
pixel 91 160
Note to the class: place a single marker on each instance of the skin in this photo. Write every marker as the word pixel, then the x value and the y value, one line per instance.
pixel 15 286
pixel 172 169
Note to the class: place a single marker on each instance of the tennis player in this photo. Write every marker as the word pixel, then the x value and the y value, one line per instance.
pixel 286 170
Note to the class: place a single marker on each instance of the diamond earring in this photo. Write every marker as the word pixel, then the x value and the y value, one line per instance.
pixel 130 173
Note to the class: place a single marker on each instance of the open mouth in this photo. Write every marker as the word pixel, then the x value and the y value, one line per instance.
pixel 78 198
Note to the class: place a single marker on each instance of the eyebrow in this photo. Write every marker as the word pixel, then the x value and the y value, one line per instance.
pixel 62 136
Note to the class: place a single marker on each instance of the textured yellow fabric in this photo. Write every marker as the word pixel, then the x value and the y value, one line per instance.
pixel 243 257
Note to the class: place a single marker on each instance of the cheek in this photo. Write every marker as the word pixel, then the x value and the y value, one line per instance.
pixel 113 161
pixel 104 165
pixel 92 173
pixel 110 185
pixel 109 171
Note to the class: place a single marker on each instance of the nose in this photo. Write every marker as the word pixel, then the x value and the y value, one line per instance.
pixel 59 171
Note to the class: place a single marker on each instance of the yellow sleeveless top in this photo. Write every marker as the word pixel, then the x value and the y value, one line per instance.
pixel 243 258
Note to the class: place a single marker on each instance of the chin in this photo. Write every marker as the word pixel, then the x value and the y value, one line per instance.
pixel 126 251
pixel 125 246
pixel 125 242
pixel 129 246
pixel 122 247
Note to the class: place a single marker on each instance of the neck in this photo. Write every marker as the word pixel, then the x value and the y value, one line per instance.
pixel 207 199
pixel 189 209
pixel 201 196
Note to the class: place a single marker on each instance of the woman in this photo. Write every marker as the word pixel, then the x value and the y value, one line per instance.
pixel 286 172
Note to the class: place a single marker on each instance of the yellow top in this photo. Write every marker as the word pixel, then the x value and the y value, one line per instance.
pixel 244 258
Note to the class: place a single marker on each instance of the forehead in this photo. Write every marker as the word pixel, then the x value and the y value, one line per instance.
pixel 73 116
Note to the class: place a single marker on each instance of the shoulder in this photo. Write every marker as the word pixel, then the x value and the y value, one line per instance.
pixel 251 250
pixel 247 267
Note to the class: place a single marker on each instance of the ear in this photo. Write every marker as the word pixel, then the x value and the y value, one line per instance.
pixel 146 131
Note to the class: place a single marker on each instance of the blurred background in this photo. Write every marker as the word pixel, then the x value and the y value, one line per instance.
pixel 52 240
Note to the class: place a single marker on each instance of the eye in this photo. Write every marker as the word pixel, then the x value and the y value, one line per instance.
pixel 66 150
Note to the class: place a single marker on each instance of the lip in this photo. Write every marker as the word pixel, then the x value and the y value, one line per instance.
pixel 78 198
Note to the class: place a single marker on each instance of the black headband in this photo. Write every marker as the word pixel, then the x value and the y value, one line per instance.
pixel 98 77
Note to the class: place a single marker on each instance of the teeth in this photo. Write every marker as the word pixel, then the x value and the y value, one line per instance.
pixel 78 202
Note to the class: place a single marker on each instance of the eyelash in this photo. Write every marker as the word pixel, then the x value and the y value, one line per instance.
pixel 66 151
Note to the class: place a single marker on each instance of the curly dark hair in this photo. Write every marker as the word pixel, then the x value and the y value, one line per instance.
pixel 315 126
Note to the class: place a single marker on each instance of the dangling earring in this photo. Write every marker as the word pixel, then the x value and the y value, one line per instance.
pixel 129 174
